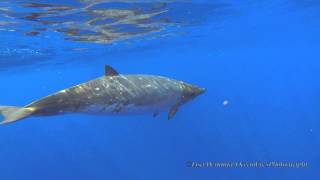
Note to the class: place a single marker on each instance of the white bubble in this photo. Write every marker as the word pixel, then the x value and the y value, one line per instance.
pixel 225 102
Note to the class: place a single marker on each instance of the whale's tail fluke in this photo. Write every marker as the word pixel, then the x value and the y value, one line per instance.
pixel 12 113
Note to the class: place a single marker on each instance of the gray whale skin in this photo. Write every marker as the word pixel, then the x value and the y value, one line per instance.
pixel 111 94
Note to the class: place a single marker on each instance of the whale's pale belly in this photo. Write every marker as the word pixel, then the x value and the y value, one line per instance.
pixel 127 109
pixel 130 94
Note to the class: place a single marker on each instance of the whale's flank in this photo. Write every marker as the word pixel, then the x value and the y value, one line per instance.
pixel 12 113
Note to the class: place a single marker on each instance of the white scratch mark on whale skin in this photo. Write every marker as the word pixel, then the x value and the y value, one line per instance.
pixel 128 108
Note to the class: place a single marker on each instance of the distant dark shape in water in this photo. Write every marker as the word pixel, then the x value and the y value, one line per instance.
pixel 37 5
pixel 111 94
pixel 32 33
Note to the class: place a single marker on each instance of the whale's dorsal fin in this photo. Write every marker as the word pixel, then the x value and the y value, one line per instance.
pixel 109 71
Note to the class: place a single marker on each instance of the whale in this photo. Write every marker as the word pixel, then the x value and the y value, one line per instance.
pixel 111 94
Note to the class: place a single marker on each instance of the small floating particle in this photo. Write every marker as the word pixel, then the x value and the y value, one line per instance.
pixel 225 103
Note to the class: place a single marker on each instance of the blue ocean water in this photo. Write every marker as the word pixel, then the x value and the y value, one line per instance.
pixel 258 60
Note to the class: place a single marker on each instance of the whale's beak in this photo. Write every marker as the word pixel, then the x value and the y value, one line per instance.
pixel 197 91
pixel 201 91
pixel 191 92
